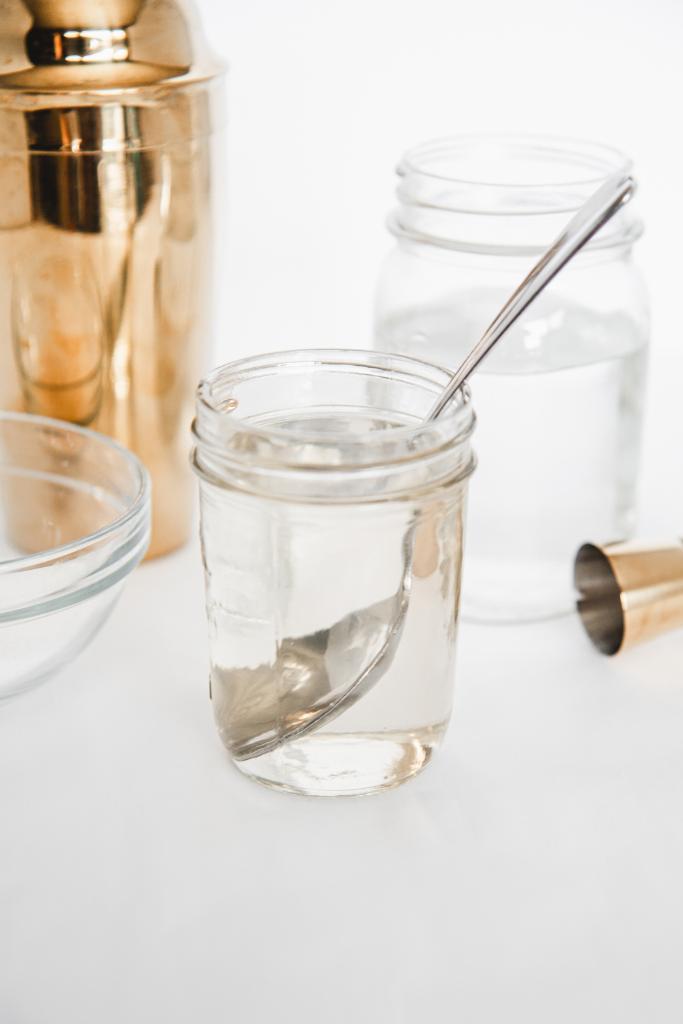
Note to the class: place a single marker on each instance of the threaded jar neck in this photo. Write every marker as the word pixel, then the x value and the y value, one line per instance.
pixel 504 194
pixel 331 425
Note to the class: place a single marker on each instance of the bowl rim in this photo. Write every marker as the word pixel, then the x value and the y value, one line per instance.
pixel 133 512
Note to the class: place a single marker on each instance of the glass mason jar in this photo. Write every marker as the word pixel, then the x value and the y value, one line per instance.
pixel 560 401
pixel 331 527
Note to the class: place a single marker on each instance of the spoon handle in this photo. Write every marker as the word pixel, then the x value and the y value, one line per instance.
pixel 595 212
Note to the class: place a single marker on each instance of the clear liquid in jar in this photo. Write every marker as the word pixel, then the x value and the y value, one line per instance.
pixel 559 406
pixel 280 572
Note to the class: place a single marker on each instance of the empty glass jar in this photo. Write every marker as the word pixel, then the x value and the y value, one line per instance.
pixel 331 525
pixel 560 400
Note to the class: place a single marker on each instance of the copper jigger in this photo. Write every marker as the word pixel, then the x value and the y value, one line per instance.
pixel 629 592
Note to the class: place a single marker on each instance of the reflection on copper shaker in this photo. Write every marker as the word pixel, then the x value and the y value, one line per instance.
pixel 106 152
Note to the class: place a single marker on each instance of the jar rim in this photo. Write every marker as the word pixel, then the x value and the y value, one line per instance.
pixel 370 439
pixel 602 158
pixel 504 193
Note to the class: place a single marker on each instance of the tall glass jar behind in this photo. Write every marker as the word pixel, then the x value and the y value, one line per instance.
pixel 107 141
pixel 560 402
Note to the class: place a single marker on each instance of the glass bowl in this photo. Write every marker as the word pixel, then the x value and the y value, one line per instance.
pixel 74 522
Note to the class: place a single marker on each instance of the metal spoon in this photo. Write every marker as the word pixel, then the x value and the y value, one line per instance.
pixel 260 709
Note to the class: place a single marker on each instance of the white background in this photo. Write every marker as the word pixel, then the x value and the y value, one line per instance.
pixel 324 97
pixel 534 873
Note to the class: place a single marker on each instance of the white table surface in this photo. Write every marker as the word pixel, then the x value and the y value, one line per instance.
pixel 534 873
pixel 531 874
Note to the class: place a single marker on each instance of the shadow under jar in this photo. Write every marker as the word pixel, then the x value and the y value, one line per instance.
pixel 323 498
pixel 560 400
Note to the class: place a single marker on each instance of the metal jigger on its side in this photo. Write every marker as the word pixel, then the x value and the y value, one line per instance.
pixel 629 592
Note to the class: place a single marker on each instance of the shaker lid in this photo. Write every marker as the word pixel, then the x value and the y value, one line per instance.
pixel 85 45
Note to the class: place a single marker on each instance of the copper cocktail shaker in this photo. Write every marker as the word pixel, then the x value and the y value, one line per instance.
pixel 107 112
